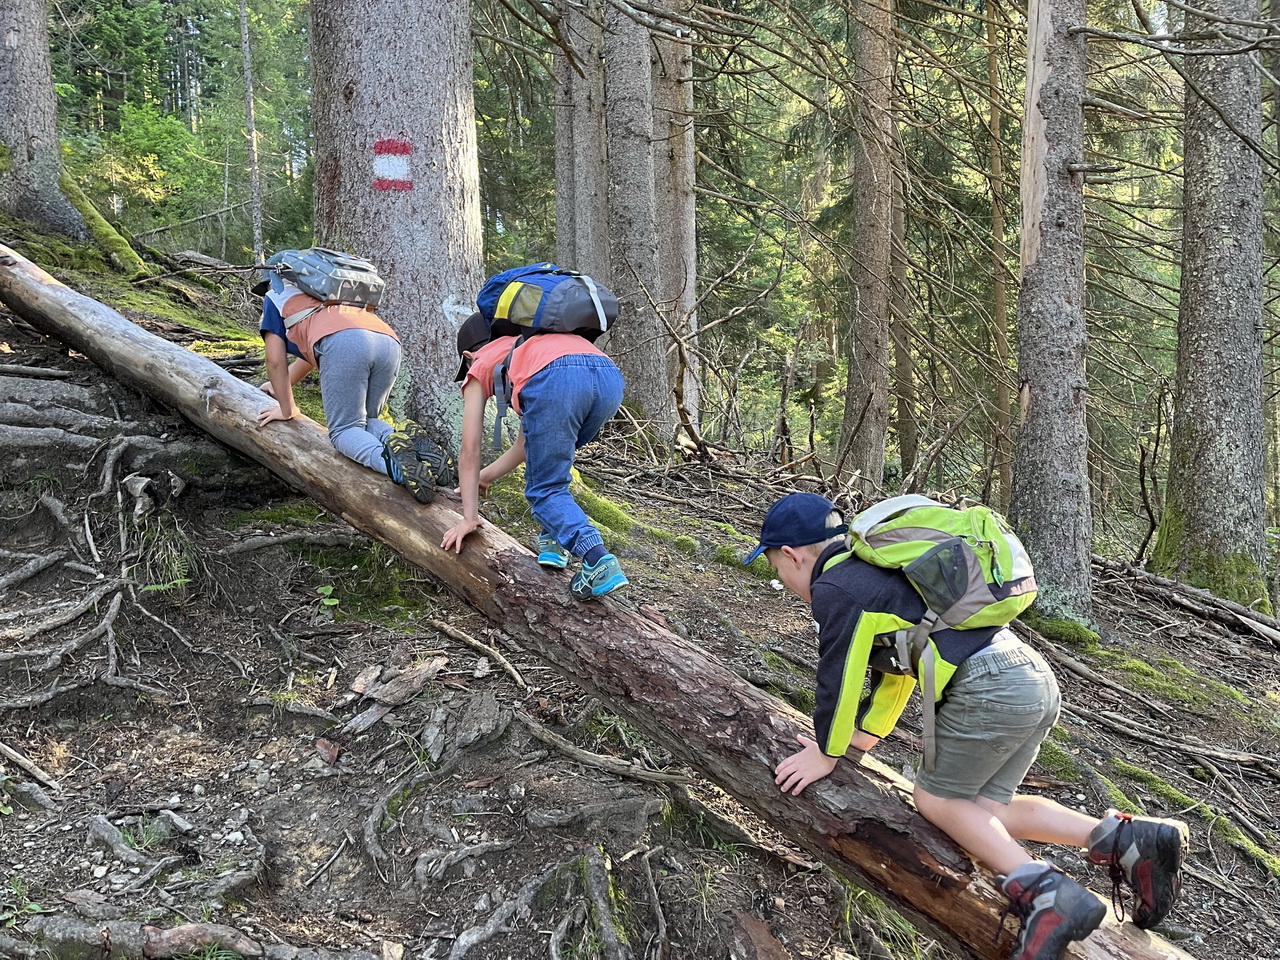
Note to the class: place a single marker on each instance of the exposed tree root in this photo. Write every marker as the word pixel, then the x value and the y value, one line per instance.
pixel 497 923
pixel 433 864
pixel 598 880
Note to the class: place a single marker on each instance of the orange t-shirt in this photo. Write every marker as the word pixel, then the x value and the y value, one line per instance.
pixel 529 358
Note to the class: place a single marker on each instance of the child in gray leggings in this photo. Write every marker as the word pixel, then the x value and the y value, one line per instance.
pixel 358 356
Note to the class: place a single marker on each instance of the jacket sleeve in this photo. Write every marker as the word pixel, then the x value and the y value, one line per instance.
pixel 845 634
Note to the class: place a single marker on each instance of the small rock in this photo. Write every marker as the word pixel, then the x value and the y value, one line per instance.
pixel 100 872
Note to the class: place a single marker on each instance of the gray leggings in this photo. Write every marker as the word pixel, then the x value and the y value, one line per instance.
pixel 357 369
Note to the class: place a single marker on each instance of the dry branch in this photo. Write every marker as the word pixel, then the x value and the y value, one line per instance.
pixel 859 820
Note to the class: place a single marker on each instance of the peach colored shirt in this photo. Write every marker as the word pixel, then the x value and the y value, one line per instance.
pixel 327 320
pixel 529 358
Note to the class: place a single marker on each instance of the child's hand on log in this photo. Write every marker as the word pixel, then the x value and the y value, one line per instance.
pixel 272 412
pixel 803 768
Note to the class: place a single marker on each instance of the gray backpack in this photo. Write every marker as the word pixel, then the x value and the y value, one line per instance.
pixel 331 276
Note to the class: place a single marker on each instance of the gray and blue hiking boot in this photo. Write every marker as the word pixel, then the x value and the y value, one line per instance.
pixel 1145 853
pixel 434 453
pixel 1054 910
pixel 595 581
pixel 404 467
pixel 550 554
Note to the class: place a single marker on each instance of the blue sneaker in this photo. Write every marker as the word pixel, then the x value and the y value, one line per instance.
pixel 550 554
pixel 605 577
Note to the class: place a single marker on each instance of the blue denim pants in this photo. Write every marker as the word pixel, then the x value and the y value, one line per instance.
pixel 562 408
pixel 357 369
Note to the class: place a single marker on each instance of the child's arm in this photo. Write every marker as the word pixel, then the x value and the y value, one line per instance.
pixel 511 458
pixel 473 400
pixel 297 371
pixel 278 375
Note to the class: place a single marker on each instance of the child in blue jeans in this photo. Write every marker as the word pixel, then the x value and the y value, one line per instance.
pixel 564 390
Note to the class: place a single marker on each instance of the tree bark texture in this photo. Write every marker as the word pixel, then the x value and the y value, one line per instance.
pixel 1213 530
pixel 674 165
pixel 397 178
pixel 859 820
pixel 866 403
pixel 582 171
pixel 638 341
pixel 30 158
pixel 904 361
pixel 1050 506
pixel 999 311
pixel 251 128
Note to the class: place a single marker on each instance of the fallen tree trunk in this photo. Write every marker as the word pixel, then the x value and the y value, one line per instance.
pixel 857 821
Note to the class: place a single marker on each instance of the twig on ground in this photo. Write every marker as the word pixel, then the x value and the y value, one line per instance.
pixel 660 920
pixel 451 631
pixel 21 760
pixel 327 864
pixel 622 768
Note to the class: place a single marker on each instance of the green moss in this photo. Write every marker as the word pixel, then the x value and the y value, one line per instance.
pixel 121 255
pixel 732 557
pixel 600 509
pixel 1058 762
pixel 5 162
pixel 370 584
pixel 293 512
pixel 686 545
pixel 1172 680
pixel 1118 799
pixel 1069 633
pixel 1231 575
pixel 1219 825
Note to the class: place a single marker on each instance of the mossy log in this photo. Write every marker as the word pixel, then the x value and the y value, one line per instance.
pixel 859 821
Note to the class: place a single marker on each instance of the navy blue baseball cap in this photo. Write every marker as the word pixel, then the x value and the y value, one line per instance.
pixel 797 520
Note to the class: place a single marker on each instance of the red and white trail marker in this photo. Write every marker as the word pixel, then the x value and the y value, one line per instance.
pixel 391 170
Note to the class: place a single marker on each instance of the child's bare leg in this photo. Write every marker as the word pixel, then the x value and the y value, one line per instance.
pixel 1042 820
pixel 976 828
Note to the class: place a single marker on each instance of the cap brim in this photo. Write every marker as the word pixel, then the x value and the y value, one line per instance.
pixel 462 370
pixel 260 289
pixel 751 557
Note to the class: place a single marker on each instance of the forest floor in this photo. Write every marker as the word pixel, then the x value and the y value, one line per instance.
pixel 185 695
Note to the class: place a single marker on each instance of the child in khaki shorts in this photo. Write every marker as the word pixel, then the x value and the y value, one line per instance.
pixel 996 701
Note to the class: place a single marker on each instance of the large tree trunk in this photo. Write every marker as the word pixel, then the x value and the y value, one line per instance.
pixel 397 179
pixel 582 171
pixel 1050 504
pixel 638 341
pixel 999 313
pixel 866 410
pixel 674 168
pixel 30 159
pixel 858 820
pixel 1213 530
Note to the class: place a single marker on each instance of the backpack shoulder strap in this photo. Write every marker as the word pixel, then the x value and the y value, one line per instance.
pixel 502 391
pixel 293 319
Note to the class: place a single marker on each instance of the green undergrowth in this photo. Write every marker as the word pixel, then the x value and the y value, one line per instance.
pixel 1171 680
pixel 84 266
pixel 370 583
pixel 300 513
pixel 619 525
pixel 1068 633
pixel 1219 825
